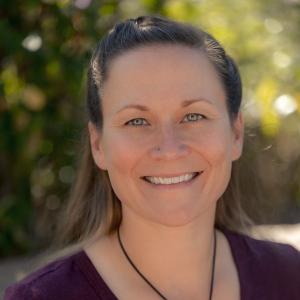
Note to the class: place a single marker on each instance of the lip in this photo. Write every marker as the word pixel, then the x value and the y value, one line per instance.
pixel 174 185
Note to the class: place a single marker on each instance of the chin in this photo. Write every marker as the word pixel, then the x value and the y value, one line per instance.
pixel 177 218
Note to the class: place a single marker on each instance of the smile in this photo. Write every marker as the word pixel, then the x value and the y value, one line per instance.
pixel 171 180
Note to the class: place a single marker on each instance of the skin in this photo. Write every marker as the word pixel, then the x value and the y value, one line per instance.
pixel 166 228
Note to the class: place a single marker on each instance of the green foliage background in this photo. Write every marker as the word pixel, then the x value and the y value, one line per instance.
pixel 44 49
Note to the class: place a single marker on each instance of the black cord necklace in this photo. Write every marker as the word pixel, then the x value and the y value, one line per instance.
pixel 150 284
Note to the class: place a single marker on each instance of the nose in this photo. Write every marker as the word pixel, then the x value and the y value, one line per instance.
pixel 168 145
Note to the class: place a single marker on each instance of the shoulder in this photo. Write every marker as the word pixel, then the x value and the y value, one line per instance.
pixel 59 279
pixel 265 250
pixel 268 261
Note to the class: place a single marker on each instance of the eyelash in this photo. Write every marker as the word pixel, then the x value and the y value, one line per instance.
pixel 128 123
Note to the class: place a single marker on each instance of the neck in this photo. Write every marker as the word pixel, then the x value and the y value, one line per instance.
pixel 171 255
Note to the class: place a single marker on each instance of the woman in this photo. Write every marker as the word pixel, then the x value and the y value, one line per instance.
pixel 154 206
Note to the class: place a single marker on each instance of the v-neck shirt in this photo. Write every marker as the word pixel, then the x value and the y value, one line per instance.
pixel 267 270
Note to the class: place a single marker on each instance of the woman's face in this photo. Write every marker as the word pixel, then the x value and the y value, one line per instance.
pixel 167 97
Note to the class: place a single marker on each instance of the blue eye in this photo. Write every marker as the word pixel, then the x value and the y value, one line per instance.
pixel 136 122
pixel 194 117
pixel 191 117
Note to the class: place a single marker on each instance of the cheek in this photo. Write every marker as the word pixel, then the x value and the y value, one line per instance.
pixel 218 156
pixel 214 143
pixel 220 149
pixel 121 154
pixel 215 147
pixel 215 152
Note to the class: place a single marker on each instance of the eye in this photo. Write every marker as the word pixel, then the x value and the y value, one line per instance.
pixel 194 117
pixel 191 117
pixel 136 122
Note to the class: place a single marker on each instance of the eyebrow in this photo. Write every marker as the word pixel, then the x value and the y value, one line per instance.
pixel 184 103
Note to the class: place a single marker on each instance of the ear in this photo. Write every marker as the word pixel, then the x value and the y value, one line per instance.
pixel 238 136
pixel 96 146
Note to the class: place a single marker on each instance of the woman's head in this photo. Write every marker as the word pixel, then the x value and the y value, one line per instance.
pixel 169 97
pixel 158 64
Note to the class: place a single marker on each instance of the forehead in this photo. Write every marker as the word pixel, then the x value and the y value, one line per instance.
pixel 161 73
pixel 186 57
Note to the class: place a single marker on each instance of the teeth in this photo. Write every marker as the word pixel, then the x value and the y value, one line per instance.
pixel 170 180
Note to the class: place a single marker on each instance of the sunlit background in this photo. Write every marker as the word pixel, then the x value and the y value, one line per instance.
pixel 45 48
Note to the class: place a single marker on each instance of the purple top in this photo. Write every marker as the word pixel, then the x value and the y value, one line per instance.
pixel 267 271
